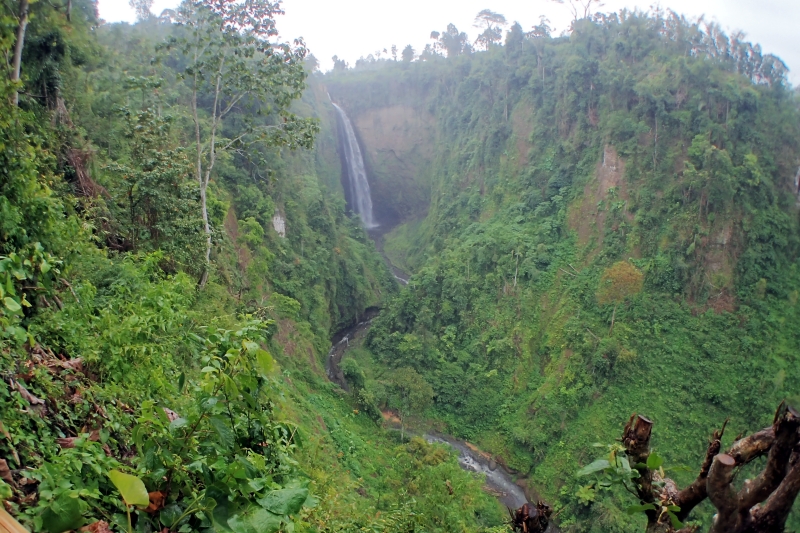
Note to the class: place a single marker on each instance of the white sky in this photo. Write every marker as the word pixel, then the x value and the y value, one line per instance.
pixel 355 28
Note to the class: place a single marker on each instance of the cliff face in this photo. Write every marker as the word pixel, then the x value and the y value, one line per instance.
pixel 398 144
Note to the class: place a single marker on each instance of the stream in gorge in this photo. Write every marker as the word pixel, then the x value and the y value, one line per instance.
pixel 499 481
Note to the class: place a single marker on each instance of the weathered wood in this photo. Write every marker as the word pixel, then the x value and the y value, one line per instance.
pixel 753 446
pixel 8 524
pixel 761 506
pixel 759 489
pixel 721 493
pixel 773 514
pixel 636 436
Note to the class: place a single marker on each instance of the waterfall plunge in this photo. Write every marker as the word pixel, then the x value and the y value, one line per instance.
pixel 356 174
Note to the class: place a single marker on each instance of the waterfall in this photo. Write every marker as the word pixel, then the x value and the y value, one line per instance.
pixel 360 199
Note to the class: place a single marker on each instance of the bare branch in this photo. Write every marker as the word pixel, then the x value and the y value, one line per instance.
pixel 757 490
pixel 234 101
pixel 753 446
pixel 694 494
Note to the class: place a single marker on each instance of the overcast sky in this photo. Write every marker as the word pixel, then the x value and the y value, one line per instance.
pixel 355 28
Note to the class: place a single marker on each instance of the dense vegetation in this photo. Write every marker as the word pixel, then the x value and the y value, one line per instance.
pixel 146 385
pixel 563 166
pixel 598 223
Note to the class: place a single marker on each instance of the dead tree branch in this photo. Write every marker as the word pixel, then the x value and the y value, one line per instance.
pixel 761 505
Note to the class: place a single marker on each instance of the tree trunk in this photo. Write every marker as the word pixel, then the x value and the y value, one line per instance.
pixel 21 29
pixel 613 317
pixel 216 118
pixel 201 183
pixel 207 229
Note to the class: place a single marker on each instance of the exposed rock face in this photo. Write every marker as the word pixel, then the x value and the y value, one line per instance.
pixel 398 144
pixel 279 224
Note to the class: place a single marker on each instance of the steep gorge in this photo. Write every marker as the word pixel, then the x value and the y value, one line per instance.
pixel 514 183
pixel 552 160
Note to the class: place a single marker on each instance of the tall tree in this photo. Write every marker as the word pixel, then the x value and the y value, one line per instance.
pixel 23 13
pixel 581 8
pixel 339 64
pixel 454 42
pixel 231 63
pixel 410 393
pixel 408 54
pixel 143 8
pixel 492 24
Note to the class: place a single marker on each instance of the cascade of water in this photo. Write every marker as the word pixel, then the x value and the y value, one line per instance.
pixel 356 174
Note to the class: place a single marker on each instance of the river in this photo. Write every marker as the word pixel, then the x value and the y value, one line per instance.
pixel 499 481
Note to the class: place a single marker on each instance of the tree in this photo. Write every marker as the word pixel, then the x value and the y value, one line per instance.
pixel 452 41
pixel 230 64
pixel 339 65
pixel 353 374
pixel 619 282
pixel 581 8
pixel 312 63
pixel 23 13
pixel 409 393
pixel 142 8
pixel 760 505
pixel 492 24
pixel 394 52
pixel 156 199
pixel 408 54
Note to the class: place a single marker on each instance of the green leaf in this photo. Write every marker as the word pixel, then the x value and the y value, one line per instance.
pixel 170 514
pixel 311 502
pixel 177 424
pixel 677 524
pixel 597 466
pixel 254 519
pixel 12 305
pixel 633 509
pixel 266 364
pixel 284 501
pixel 63 514
pixel 223 429
pixel 654 461
pixel 130 487
pixel 250 346
pixel 5 491
pixel 624 463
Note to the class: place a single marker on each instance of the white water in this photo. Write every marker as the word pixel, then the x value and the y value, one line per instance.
pixel 356 174
pixel 508 492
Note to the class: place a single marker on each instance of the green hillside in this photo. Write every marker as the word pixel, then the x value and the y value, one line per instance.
pixel 635 139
